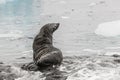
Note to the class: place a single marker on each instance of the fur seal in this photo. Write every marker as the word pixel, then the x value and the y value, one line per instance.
pixel 44 53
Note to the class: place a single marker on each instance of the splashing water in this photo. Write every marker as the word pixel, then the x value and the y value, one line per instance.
pixel 78 68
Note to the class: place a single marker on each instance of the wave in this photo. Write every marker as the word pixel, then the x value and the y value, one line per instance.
pixel 13 34
pixel 10 35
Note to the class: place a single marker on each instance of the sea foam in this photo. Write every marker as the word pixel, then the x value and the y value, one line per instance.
pixel 75 68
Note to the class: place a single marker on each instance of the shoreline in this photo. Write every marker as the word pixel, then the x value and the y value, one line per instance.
pixel 71 66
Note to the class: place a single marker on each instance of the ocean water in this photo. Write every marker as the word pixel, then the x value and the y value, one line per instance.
pixel 21 20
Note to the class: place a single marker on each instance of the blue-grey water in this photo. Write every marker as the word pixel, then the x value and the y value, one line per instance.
pixel 17 17
pixel 21 20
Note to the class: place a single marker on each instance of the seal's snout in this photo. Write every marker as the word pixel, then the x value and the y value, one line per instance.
pixel 57 25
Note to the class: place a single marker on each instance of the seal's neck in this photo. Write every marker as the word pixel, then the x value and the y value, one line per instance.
pixel 46 33
pixel 41 42
pixel 44 39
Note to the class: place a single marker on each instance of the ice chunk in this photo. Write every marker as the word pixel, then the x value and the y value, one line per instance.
pixel 109 29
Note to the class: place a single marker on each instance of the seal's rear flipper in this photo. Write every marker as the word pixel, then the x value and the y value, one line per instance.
pixel 30 67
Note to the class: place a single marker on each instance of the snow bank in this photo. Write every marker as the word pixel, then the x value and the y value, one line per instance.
pixel 109 29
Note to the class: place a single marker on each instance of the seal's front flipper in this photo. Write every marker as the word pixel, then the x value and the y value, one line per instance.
pixel 30 67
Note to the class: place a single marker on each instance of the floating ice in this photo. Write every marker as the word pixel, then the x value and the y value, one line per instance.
pixel 109 29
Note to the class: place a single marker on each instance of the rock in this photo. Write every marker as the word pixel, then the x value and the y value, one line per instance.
pixel 1 62
pixel 115 55
pixel 117 60
pixel 1 77
pixel 4 68
pixel 5 72
pixel 56 75
pixel 52 74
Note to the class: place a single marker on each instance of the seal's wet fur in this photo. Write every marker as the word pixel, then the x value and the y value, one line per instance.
pixel 44 53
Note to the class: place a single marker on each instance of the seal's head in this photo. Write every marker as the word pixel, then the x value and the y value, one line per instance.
pixel 49 28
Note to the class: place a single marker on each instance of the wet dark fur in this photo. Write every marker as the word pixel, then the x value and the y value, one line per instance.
pixel 44 53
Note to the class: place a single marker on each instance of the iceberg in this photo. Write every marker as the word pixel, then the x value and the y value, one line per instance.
pixel 109 29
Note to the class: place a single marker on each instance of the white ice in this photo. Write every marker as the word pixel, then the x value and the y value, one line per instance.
pixel 109 29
